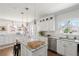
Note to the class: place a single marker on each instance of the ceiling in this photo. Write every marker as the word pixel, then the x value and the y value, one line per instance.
pixel 12 11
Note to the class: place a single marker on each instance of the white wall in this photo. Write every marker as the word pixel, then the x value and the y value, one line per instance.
pixel 5 23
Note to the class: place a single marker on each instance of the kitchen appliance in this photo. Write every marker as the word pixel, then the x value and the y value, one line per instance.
pixel 52 43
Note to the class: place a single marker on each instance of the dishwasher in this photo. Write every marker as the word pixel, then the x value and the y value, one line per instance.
pixel 52 44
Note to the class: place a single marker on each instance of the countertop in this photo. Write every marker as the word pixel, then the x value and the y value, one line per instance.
pixel 32 50
pixel 7 45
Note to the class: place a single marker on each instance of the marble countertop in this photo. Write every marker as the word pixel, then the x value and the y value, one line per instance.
pixel 32 50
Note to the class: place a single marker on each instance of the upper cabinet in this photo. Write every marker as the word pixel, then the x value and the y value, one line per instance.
pixel 46 24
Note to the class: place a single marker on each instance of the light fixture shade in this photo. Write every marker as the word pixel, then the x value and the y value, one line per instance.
pixel 34 21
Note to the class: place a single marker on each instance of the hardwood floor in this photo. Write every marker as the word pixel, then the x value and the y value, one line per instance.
pixel 6 51
pixel 9 52
pixel 51 53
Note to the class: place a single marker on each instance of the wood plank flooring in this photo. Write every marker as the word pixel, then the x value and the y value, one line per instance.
pixel 51 53
pixel 6 51
pixel 9 52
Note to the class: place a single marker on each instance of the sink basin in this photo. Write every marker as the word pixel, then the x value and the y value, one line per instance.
pixel 63 38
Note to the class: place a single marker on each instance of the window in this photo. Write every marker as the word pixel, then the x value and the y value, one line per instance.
pixel 72 24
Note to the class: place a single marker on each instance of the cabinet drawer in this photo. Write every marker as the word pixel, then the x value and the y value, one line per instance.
pixel 23 50
pixel 41 52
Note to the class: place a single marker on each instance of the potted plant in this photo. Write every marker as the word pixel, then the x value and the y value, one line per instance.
pixel 67 30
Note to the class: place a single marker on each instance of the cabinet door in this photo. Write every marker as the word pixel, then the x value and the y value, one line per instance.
pixel 60 47
pixel 1 40
pixel 23 50
pixel 46 25
pixel 71 49
pixel 5 39
pixel 41 26
pixel 41 51
pixel 51 25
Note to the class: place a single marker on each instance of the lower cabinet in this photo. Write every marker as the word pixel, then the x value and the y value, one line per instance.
pixel 60 47
pixel 38 52
pixel 66 48
pixel 71 49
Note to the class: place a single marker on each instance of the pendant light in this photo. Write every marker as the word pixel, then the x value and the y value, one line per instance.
pixel 22 13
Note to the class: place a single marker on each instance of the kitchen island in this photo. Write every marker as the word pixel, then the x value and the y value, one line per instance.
pixel 40 51
pixel 37 49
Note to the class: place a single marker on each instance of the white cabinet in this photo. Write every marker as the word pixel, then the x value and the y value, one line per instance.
pixel 7 39
pixel 71 49
pixel 65 47
pixel 42 51
pixel 42 26
pixel 24 51
pixel 46 24
pixel 60 47
pixel 1 40
pixel 51 24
